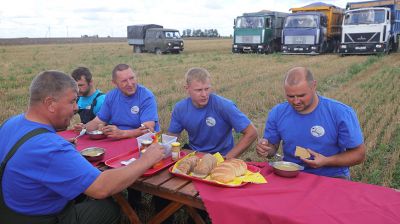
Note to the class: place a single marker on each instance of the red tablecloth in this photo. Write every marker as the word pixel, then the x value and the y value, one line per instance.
pixel 113 147
pixel 305 199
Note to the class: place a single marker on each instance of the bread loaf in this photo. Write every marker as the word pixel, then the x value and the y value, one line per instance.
pixel 228 170
pixel 204 166
pixel 187 164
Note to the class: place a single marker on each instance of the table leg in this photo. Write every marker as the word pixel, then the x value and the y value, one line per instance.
pixel 127 209
pixel 166 212
pixel 195 215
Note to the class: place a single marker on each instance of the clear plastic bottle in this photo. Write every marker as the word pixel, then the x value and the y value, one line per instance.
pixel 175 151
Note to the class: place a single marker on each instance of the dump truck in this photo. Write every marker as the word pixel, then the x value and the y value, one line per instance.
pixel 371 27
pixel 154 38
pixel 258 32
pixel 312 29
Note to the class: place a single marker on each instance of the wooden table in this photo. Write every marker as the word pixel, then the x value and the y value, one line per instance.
pixel 181 192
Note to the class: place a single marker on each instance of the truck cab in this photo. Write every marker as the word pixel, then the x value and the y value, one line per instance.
pixel 366 31
pixel 160 40
pixel 258 32
pixel 305 33
pixel 154 38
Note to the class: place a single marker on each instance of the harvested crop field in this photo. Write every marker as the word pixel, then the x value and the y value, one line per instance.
pixel 370 84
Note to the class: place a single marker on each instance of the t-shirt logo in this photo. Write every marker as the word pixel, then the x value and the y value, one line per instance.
pixel 317 131
pixel 210 121
pixel 135 110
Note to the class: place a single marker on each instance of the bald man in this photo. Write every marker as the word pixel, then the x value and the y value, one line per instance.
pixel 328 129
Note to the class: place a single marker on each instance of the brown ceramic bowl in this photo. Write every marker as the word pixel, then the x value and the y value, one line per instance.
pixel 96 135
pixel 286 169
pixel 93 154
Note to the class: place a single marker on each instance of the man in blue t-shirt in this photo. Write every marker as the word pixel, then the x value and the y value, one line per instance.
pixel 90 99
pixel 328 129
pixel 46 172
pixel 126 107
pixel 209 118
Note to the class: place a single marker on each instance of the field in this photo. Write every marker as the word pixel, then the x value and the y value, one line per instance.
pixel 370 84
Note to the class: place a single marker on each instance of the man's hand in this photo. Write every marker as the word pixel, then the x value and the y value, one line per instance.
pixel 316 161
pixel 78 127
pixel 264 148
pixel 154 153
pixel 112 131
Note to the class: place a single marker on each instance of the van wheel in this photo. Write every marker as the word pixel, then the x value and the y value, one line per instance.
pixel 137 49
pixel 158 51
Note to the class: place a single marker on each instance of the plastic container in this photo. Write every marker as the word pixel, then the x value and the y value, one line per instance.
pixel 166 141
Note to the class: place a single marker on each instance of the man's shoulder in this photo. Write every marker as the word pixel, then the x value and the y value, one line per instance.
pixel 334 104
pixel 144 90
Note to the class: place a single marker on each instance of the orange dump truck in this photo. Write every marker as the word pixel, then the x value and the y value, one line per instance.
pixel 312 29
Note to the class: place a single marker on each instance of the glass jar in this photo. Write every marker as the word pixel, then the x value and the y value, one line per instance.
pixel 175 150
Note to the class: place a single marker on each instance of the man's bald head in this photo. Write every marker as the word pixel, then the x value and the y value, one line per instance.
pixel 298 74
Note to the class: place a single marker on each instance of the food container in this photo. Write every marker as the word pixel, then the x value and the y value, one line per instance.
pixel 93 154
pixel 96 134
pixel 286 169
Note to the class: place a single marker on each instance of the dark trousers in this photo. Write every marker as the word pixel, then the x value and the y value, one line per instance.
pixel 105 211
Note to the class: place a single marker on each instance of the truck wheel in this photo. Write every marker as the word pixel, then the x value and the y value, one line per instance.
pixel 158 51
pixel 137 49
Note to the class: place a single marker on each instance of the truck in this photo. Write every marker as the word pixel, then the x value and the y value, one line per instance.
pixel 312 29
pixel 371 27
pixel 258 32
pixel 154 38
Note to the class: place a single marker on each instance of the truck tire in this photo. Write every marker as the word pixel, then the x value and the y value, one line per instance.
pixel 137 49
pixel 158 51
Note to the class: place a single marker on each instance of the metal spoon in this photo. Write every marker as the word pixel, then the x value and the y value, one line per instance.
pixel 80 134
pixel 278 156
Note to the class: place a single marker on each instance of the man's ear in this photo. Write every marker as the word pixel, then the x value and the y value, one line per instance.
pixel 49 103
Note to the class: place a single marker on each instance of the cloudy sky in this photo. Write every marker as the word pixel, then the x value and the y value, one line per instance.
pixel 73 18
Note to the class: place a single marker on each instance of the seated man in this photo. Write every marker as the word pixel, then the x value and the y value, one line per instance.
pixel 41 172
pixel 327 128
pixel 126 107
pixel 209 118
pixel 90 99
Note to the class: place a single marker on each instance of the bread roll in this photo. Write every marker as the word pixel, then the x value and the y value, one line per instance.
pixel 228 170
pixel 187 164
pixel 223 173
pixel 204 166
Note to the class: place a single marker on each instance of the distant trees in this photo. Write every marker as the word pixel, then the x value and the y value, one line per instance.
pixel 200 33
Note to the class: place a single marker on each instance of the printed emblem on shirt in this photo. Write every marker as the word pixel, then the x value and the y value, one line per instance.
pixel 210 121
pixel 88 107
pixel 135 110
pixel 317 131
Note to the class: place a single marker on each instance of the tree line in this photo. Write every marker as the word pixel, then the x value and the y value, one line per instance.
pixel 200 33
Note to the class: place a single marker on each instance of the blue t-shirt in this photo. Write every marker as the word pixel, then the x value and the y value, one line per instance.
pixel 85 102
pixel 330 129
pixel 129 112
pixel 209 128
pixel 45 172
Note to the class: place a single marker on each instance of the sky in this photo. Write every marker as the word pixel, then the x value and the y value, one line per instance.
pixel 74 18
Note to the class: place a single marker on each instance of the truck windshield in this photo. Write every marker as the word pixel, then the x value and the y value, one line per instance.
pixel 172 34
pixel 301 21
pixel 370 16
pixel 250 22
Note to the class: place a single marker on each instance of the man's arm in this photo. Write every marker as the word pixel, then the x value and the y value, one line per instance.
pixel 350 157
pixel 114 132
pixel 113 181
pixel 248 137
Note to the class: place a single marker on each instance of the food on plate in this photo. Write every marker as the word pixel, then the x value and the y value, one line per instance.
pixel 286 167
pixel 302 152
pixel 204 166
pixel 187 164
pixel 228 170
